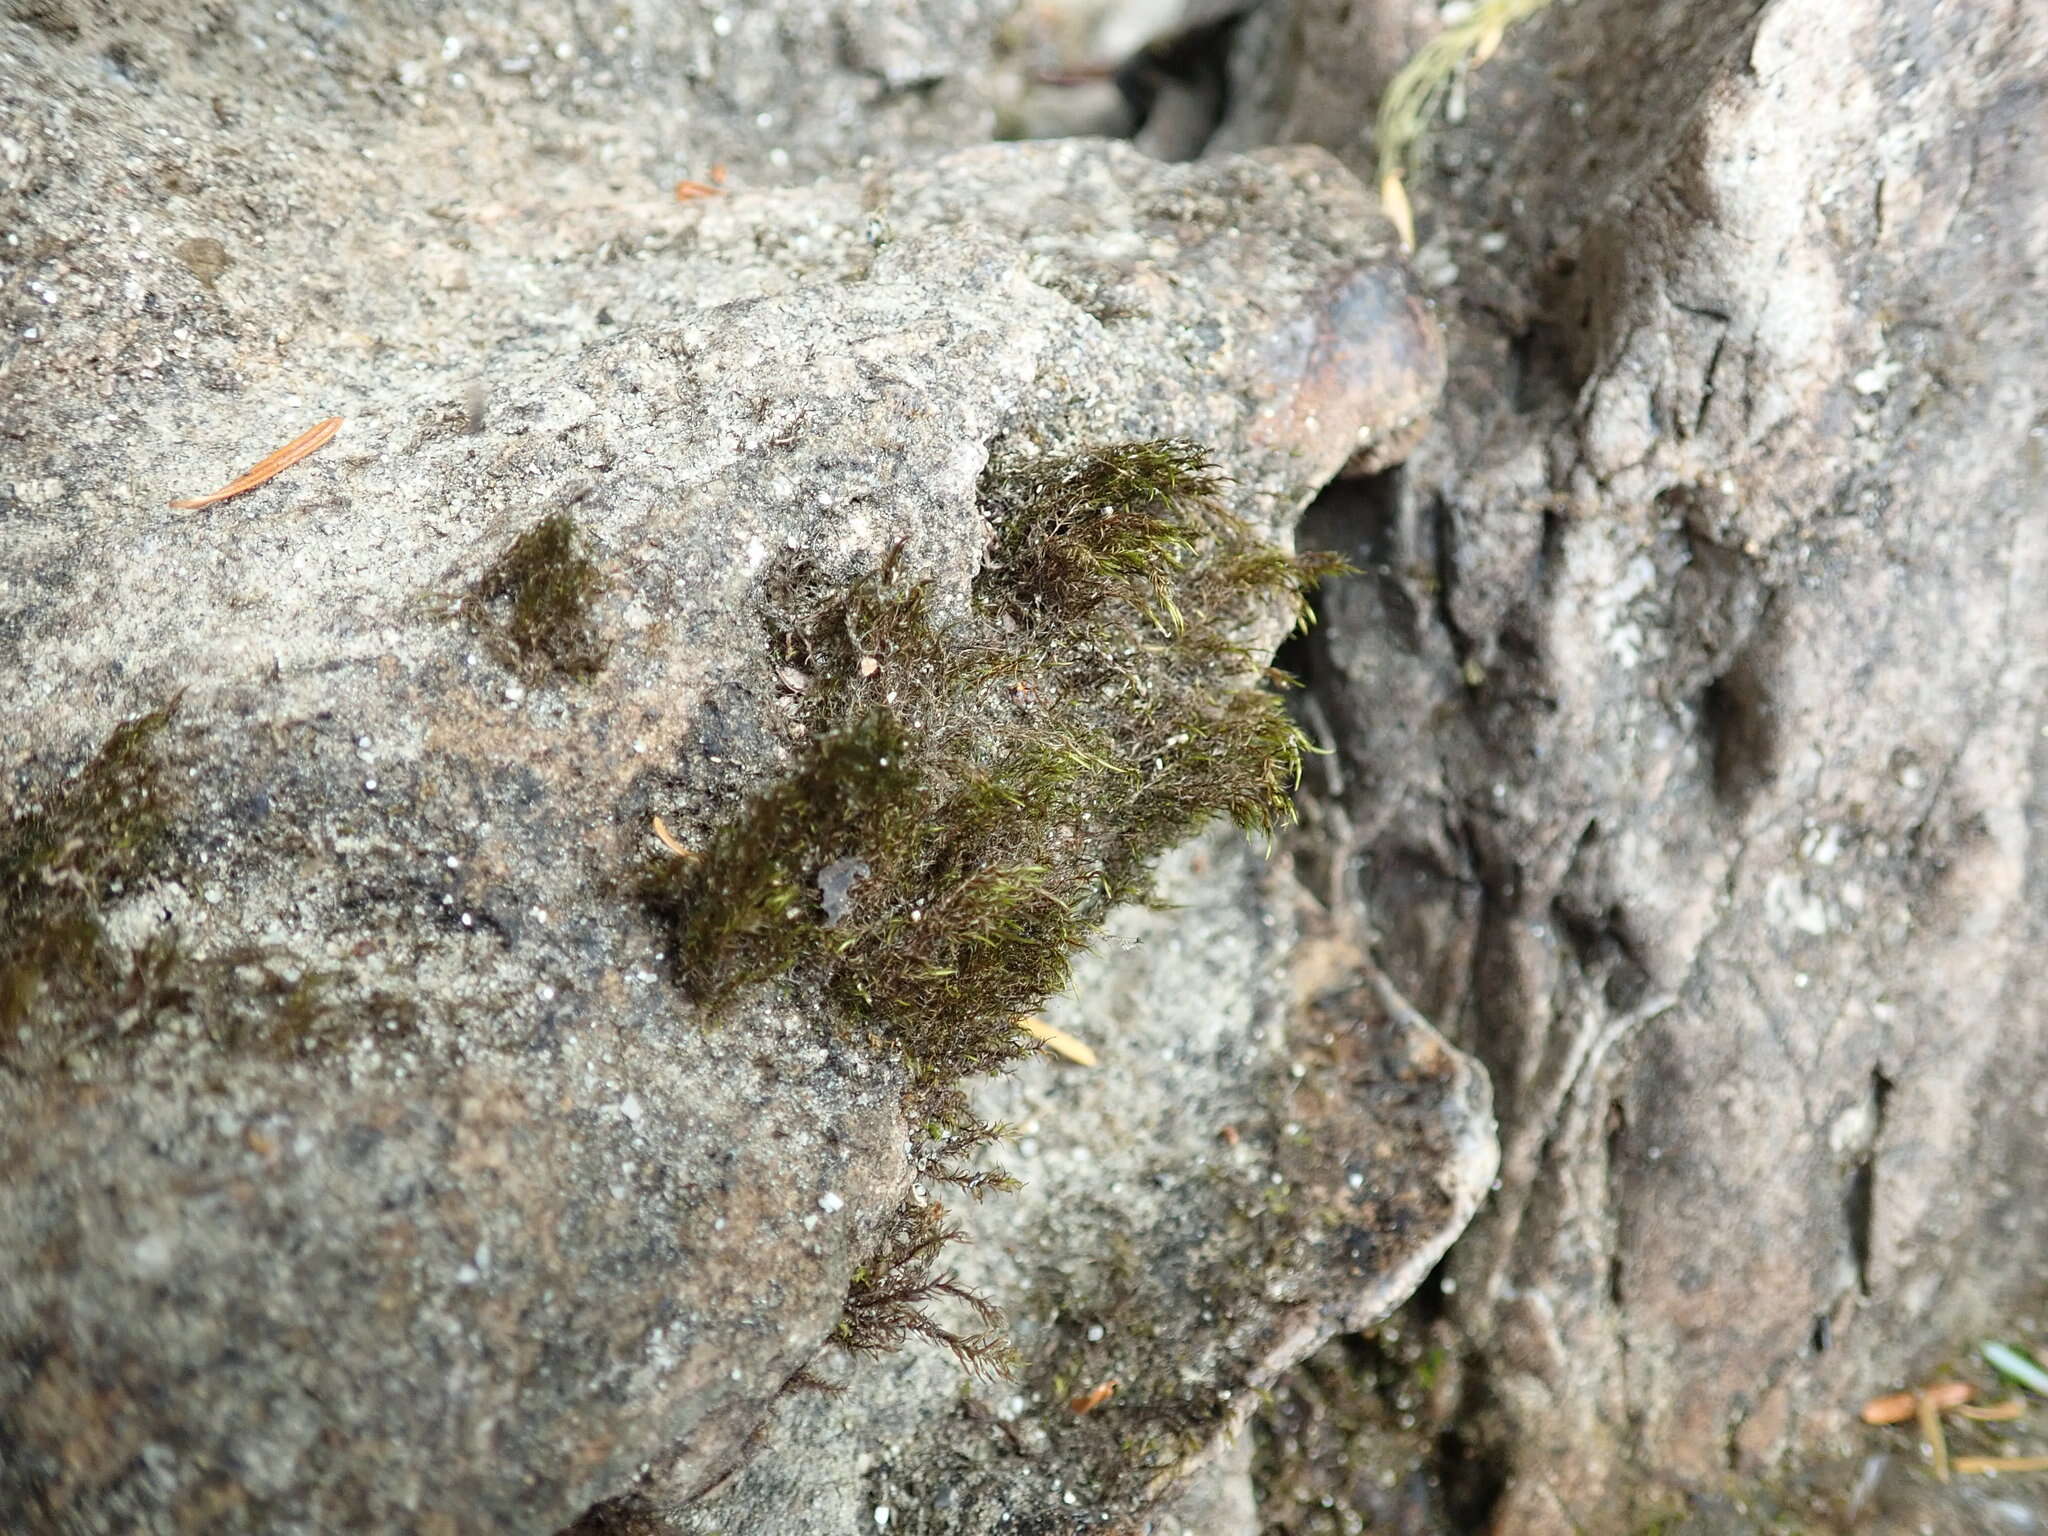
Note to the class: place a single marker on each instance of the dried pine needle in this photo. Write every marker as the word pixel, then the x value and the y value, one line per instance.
pixel 1394 198
pixel 668 840
pixel 1058 1041
pixel 1892 1408
pixel 1982 1464
pixel 1994 1413
pixel 276 464
pixel 1094 1397
pixel 1897 1407
pixel 1929 1414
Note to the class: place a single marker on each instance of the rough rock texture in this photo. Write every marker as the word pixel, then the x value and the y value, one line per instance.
pixel 1692 719
pixel 506 1231
pixel 1275 1103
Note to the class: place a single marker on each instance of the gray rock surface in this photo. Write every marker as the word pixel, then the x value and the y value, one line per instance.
pixel 520 1234
pixel 1692 722
pixel 1271 1150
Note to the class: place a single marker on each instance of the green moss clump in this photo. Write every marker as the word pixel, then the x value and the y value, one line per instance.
pixel 1107 527
pixel 752 909
pixel 66 989
pixel 977 792
pixel 534 602
pixel 59 860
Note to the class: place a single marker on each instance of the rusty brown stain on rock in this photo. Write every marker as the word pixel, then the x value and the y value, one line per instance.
pixel 1356 372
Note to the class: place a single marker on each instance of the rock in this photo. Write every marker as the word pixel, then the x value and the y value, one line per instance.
pixel 1690 723
pixel 1270 1154
pixel 442 1207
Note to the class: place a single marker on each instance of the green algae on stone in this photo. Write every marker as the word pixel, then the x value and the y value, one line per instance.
pixel 60 858
pixel 67 990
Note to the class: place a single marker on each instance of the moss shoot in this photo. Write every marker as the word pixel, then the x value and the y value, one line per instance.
pixel 533 603
pixel 885 1304
pixel 976 793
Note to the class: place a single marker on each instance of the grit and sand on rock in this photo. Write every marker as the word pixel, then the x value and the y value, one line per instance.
pixel 1686 723
pixel 522 1235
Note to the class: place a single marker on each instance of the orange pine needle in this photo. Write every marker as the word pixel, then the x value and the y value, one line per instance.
pixel 1994 1413
pixel 276 464
pixel 1929 1415
pixel 687 191
pixel 1094 1397
pixel 1897 1407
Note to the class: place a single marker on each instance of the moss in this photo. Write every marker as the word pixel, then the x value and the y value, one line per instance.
pixel 887 1297
pixel 1003 779
pixel 952 1136
pixel 534 602
pixel 1109 527
pixel 66 990
pixel 257 1001
pixel 628 1515
pixel 974 793
pixel 1336 1450
pixel 60 858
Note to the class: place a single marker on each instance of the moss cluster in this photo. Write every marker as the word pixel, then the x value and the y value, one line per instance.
pixel 67 990
pixel 976 792
pixel 59 860
pixel 533 602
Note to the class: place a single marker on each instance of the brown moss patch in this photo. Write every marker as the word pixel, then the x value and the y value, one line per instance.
pixel 533 603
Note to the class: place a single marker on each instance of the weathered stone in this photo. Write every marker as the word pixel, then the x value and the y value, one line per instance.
pixel 514 1228
pixel 1691 718
pixel 1272 1150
